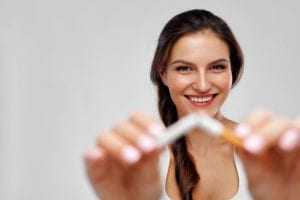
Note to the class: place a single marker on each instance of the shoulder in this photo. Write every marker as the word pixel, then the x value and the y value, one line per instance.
pixel 229 123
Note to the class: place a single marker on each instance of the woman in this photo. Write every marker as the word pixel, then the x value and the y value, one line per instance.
pixel 197 62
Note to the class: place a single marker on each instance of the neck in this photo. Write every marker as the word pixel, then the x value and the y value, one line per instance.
pixel 201 142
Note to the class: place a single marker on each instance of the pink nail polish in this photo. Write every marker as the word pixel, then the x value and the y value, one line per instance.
pixel 146 143
pixel 289 140
pixel 93 153
pixel 155 130
pixel 254 144
pixel 130 154
pixel 242 130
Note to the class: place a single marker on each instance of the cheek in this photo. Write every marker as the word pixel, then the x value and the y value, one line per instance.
pixel 224 82
pixel 177 84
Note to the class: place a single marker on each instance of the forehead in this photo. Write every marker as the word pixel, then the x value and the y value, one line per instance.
pixel 204 46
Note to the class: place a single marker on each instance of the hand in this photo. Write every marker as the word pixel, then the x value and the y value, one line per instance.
pixel 124 164
pixel 271 157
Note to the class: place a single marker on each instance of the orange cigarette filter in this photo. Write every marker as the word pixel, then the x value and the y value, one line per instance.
pixel 229 136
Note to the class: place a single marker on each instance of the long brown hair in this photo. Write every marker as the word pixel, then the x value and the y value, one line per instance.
pixel 180 25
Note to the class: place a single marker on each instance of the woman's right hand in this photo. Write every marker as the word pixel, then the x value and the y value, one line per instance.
pixel 125 162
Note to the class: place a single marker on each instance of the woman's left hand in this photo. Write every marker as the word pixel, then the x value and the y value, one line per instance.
pixel 271 156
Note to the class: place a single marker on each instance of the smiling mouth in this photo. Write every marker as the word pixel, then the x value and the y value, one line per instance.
pixel 201 100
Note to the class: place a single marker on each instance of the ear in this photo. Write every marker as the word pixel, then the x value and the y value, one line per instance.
pixel 163 76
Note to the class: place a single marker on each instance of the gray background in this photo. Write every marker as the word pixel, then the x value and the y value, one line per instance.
pixel 69 69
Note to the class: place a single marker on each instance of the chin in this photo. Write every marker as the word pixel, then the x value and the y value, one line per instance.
pixel 209 112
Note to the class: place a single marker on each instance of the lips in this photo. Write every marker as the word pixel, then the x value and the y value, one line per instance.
pixel 203 100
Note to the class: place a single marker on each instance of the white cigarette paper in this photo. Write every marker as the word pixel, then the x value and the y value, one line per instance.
pixel 203 122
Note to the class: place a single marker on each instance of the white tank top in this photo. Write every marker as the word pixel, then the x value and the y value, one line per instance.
pixel 242 194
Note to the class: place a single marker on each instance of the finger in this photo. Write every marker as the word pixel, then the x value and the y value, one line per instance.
pixel 118 147
pixel 258 117
pixel 289 160
pixel 290 140
pixel 135 135
pixel 253 121
pixel 245 130
pixel 149 173
pixel 148 123
pixel 95 164
pixel 267 135
pixel 262 130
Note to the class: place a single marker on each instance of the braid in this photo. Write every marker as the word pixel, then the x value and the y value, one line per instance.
pixel 185 171
pixel 186 174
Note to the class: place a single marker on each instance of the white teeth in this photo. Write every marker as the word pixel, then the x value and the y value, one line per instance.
pixel 201 100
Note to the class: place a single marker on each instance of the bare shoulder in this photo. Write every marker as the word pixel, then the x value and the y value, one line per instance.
pixel 229 123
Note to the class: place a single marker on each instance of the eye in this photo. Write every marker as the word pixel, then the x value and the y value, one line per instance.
pixel 183 68
pixel 218 67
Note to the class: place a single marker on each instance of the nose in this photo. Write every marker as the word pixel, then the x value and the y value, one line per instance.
pixel 202 83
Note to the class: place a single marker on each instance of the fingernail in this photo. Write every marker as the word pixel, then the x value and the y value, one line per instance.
pixel 289 140
pixel 93 153
pixel 155 130
pixel 242 130
pixel 146 143
pixel 130 154
pixel 254 144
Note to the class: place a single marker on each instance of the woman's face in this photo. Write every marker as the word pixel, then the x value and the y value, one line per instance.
pixel 198 74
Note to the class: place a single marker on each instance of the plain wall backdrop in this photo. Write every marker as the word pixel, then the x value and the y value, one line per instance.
pixel 69 69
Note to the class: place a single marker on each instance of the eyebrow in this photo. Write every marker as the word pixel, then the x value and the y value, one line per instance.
pixel 189 63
